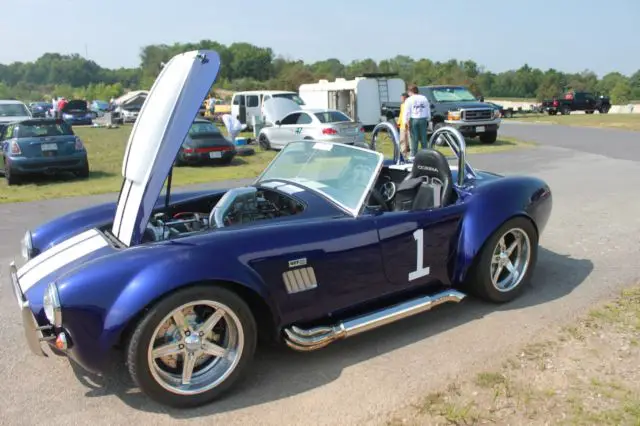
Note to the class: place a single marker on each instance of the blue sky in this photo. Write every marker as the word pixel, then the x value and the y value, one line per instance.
pixel 568 35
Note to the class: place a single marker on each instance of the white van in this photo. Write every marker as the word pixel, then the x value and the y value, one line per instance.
pixel 245 105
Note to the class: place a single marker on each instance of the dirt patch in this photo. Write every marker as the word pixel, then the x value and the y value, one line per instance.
pixel 586 373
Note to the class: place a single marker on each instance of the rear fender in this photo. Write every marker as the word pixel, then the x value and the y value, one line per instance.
pixel 491 205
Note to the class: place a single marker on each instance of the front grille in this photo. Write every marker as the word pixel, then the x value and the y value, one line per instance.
pixel 477 114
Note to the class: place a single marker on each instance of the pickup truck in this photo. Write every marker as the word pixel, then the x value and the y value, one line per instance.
pixel 457 107
pixel 582 101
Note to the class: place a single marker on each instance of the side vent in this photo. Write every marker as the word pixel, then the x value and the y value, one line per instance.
pixel 301 279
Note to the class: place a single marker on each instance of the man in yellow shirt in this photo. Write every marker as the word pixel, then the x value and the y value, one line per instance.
pixel 404 133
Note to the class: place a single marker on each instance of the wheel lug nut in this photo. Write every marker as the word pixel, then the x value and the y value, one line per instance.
pixel 186 333
pixel 181 346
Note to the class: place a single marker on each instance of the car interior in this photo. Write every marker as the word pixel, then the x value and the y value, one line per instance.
pixel 428 185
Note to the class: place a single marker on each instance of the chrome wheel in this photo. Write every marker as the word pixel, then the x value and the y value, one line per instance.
pixel 510 260
pixel 196 347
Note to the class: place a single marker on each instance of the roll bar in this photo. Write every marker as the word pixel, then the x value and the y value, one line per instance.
pixel 449 135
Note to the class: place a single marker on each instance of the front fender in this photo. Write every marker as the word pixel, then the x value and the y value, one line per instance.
pixel 490 205
pixel 63 227
pixel 100 301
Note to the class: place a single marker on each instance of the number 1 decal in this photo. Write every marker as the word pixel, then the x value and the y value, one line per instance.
pixel 420 271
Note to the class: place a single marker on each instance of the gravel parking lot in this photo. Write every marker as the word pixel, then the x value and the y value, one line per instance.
pixel 589 251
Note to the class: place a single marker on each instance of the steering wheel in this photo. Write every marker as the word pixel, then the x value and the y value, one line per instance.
pixel 383 194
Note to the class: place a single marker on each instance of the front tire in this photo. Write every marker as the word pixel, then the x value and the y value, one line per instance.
pixel 263 141
pixel 488 137
pixel 506 262
pixel 192 346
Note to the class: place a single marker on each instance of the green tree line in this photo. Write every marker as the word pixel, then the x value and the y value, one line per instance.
pixel 249 67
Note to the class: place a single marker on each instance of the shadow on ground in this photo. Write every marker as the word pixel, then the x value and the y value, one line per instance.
pixel 279 373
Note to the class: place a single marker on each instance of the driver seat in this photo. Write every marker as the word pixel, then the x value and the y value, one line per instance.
pixel 428 185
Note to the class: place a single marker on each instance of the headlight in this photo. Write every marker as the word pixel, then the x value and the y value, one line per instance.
pixel 51 305
pixel 496 113
pixel 454 115
pixel 27 246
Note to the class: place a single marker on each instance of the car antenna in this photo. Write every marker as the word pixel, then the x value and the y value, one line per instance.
pixel 168 194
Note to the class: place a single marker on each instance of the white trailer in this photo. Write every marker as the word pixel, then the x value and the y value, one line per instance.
pixel 361 98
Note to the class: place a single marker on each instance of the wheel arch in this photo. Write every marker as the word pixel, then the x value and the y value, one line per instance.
pixel 470 247
pixel 263 313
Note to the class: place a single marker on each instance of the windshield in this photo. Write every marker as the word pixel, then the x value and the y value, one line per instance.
pixel 452 94
pixel 331 117
pixel 46 128
pixel 340 172
pixel 101 104
pixel 13 110
pixel 292 96
pixel 203 128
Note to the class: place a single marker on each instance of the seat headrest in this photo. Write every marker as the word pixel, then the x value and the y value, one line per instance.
pixel 431 163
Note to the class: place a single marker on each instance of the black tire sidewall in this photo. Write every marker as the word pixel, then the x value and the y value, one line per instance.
pixel 480 281
pixel 139 342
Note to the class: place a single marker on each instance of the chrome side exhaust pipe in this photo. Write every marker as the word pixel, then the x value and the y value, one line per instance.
pixel 319 337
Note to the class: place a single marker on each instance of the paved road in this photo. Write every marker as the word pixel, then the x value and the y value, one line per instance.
pixel 590 249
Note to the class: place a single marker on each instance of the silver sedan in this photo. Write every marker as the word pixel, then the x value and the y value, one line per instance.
pixel 324 125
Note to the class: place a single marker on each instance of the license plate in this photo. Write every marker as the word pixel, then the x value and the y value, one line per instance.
pixel 480 129
pixel 215 155
pixel 49 147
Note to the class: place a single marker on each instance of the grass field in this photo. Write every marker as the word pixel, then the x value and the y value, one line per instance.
pixel 611 121
pixel 585 373
pixel 106 147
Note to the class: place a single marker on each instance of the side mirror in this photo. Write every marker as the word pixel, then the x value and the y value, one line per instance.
pixel 277 123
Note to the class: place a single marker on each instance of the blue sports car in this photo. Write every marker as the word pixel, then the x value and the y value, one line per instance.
pixel 330 241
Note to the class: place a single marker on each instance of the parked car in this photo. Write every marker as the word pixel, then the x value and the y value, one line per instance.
pixel 329 241
pixel 99 107
pixel 77 112
pixel 205 144
pixel 41 145
pixel 12 111
pixel 40 109
pixel 581 101
pixel 128 113
pixel 457 107
pixel 288 121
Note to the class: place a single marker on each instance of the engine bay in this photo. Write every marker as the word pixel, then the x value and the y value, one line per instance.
pixel 237 206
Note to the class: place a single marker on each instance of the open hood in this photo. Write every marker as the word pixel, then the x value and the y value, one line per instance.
pixel 156 137
pixel 75 105
pixel 276 108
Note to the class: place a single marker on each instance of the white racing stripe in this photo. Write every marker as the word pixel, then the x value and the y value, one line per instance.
pixel 55 250
pixel 69 253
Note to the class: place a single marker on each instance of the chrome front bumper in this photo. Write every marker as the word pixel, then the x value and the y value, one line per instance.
pixel 32 332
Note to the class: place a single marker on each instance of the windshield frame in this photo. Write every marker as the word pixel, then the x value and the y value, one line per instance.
pixel 353 212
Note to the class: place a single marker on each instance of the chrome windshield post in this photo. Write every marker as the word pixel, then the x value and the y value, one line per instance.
pixel 456 142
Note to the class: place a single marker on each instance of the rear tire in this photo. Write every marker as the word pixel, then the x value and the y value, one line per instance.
pixel 492 262
pixel 230 341
pixel 9 177
pixel 84 172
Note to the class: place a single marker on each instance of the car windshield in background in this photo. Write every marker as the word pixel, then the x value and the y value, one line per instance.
pixel 101 104
pixel 342 173
pixel 452 94
pixel 52 128
pixel 291 96
pixel 203 128
pixel 331 117
pixel 13 110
